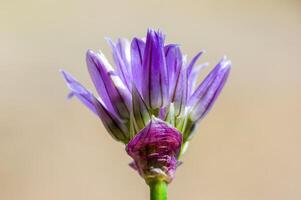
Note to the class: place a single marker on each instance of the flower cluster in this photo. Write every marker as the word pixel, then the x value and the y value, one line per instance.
pixel 150 101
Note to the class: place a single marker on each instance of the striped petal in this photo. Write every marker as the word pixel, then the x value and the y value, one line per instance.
pixel 193 77
pixel 140 111
pixel 205 95
pixel 122 58
pixel 137 52
pixel 112 91
pixel 117 128
pixel 85 96
pixel 193 61
pixel 113 124
pixel 174 62
pixel 180 93
pixel 154 72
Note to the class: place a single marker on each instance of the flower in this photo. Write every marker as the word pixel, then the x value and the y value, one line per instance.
pixel 150 101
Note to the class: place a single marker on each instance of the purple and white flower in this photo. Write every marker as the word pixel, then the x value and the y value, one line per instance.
pixel 150 101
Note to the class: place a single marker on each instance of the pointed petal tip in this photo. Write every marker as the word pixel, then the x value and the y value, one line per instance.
pixel 149 29
pixel 67 76
pixel 96 59
pixel 90 56
pixel 223 64
pixel 70 95
pixel 136 38
pixel 90 53
pixel 226 63
pixel 109 41
pixel 113 44
pixel 201 53
pixel 63 73
pixel 225 58
pixel 152 32
pixel 193 61
pixel 68 79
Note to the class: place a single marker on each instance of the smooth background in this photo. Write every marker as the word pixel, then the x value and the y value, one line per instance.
pixel 247 148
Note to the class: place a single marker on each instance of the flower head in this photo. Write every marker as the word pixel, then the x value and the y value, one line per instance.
pixel 150 101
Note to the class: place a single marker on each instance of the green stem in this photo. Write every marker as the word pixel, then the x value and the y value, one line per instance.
pixel 158 190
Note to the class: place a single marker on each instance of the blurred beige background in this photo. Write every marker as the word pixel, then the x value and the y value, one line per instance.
pixel 247 148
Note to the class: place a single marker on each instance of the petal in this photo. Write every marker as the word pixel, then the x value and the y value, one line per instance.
pixel 140 111
pixel 193 77
pixel 79 91
pixel 112 91
pixel 154 72
pixel 193 61
pixel 155 149
pixel 137 52
pixel 163 112
pixel 122 58
pixel 193 72
pixel 113 125
pixel 174 62
pixel 180 94
pixel 205 95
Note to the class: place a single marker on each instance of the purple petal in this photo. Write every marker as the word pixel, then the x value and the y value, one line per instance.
pixel 177 78
pixel 174 62
pixel 112 91
pixel 163 112
pixel 79 91
pixel 137 52
pixel 140 111
pixel 205 95
pixel 114 126
pixel 154 72
pixel 155 149
pixel 193 61
pixel 180 93
pixel 122 59
pixel 193 76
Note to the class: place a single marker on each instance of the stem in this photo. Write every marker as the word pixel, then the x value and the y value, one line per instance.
pixel 158 190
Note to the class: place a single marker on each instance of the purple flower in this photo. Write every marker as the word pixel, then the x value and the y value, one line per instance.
pixel 151 100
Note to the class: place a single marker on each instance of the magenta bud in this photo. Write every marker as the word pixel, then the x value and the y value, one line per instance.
pixel 155 150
